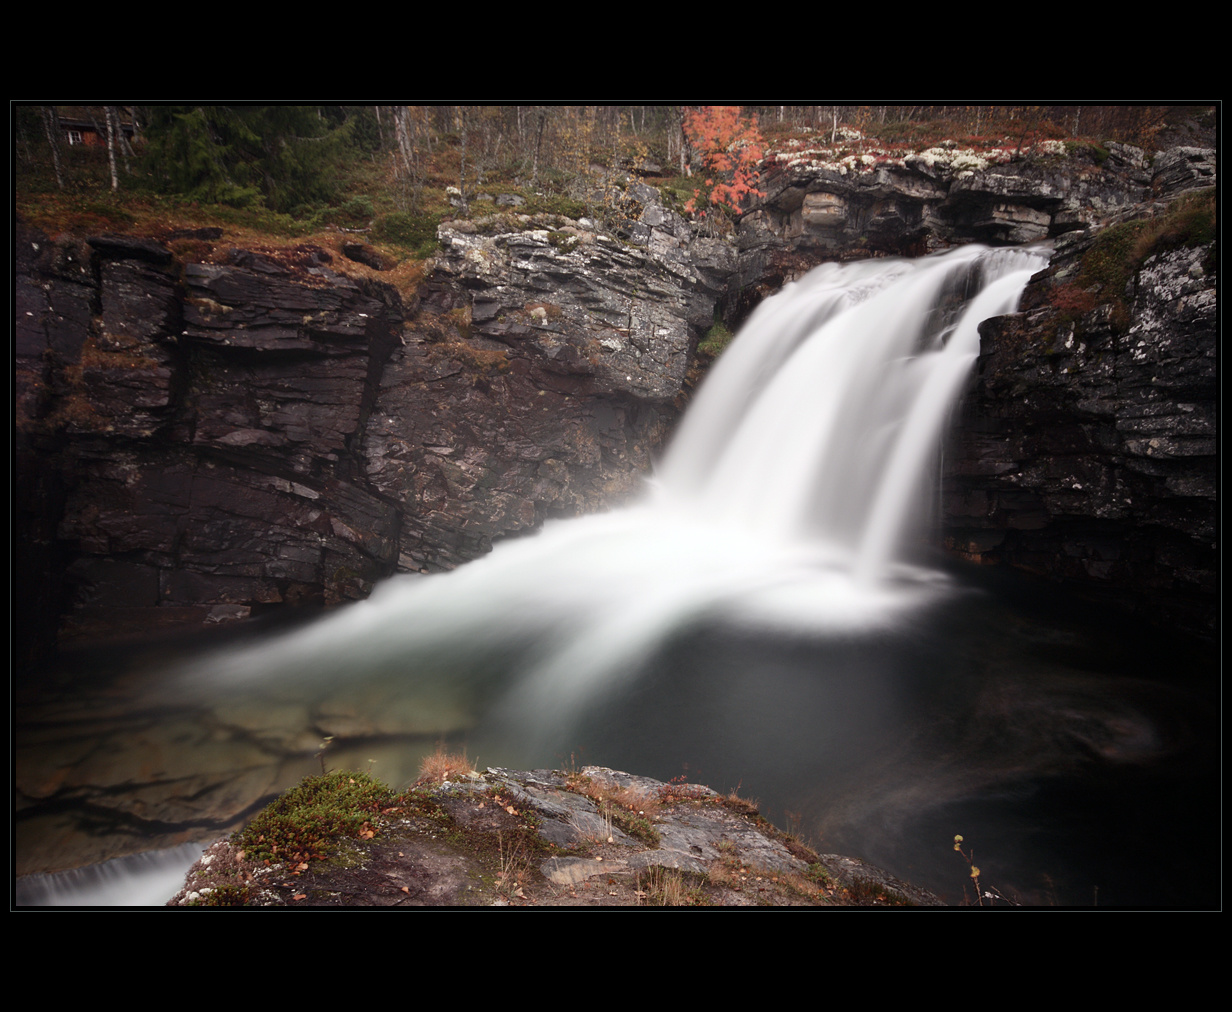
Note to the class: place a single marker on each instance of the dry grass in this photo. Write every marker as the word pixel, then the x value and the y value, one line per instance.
pixel 662 887
pixel 441 766
pixel 639 802
pixel 633 811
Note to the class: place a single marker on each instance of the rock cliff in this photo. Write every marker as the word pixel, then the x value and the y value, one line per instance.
pixel 207 433
pixel 204 430
pixel 1087 446
pixel 540 375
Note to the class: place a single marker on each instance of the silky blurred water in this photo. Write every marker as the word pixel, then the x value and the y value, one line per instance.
pixel 1075 751
pixel 762 620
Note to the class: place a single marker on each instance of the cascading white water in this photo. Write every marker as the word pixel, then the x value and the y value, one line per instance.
pixel 784 503
pixel 782 500
pixel 817 422
pixel 147 879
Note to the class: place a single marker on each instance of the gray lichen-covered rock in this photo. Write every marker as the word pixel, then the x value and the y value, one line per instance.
pixel 818 205
pixel 539 378
pixel 540 838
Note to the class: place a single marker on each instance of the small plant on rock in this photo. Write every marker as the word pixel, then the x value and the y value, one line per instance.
pixel 441 766
pixel 731 148
pixel 981 894
pixel 304 823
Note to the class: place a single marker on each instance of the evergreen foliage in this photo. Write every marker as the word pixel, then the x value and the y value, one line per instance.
pixel 280 157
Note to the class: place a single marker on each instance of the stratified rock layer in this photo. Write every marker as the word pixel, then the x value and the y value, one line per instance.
pixel 1087 449
pixel 201 439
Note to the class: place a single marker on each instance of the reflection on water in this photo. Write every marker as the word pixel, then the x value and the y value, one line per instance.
pixel 1079 761
pixel 756 619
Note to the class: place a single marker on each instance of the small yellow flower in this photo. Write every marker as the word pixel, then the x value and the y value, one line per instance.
pixel 975 872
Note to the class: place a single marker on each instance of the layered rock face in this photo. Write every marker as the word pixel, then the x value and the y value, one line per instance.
pixel 205 433
pixel 932 199
pixel 198 439
pixel 816 209
pixel 1087 448
pixel 538 379
pixel 197 427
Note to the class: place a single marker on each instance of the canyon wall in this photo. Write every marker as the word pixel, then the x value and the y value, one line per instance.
pixel 203 431
pixel 1087 446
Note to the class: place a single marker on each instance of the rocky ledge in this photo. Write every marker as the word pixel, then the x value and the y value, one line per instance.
pixel 597 837
pixel 1087 450
pixel 204 432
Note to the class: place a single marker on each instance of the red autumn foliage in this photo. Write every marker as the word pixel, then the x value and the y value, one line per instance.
pixel 731 149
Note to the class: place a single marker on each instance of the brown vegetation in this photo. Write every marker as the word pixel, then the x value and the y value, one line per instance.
pixel 442 765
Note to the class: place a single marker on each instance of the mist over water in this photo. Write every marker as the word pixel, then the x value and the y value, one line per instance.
pixel 760 617
pixel 782 502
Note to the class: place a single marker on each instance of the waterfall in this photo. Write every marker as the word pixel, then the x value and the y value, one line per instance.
pixel 147 879
pixel 816 425
pixel 759 616
pixel 782 502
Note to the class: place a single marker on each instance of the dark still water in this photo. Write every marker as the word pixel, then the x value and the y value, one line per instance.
pixel 1079 760
pixel 757 620
pixel 1077 754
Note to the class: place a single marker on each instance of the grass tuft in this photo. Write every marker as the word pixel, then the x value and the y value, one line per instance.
pixel 1119 251
pixel 441 766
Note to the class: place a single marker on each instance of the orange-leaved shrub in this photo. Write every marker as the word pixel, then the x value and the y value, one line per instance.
pixel 731 149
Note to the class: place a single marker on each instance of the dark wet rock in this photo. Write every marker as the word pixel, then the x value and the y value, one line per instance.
pixel 267 429
pixel 362 253
pixel 122 247
pixel 212 416
pixel 1087 450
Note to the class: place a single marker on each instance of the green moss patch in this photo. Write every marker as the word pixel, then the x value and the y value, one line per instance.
pixel 307 822
pixel 1119 252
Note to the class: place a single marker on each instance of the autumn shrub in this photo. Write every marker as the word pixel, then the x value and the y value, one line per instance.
pixel 1071 300
pixel 442 765
pixel 731 149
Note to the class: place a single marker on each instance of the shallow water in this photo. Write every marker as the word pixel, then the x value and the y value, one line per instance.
pixel 1078 758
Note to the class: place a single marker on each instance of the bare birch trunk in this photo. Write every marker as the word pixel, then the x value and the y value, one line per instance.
pixel 51 123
